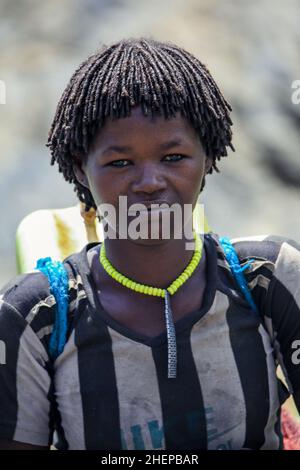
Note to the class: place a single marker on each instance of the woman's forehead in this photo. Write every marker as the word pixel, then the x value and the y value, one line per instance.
pixel 138 124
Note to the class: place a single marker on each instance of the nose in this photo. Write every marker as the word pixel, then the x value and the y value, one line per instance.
pixel 149 180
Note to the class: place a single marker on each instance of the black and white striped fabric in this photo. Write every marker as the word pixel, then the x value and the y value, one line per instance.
pixel 109 388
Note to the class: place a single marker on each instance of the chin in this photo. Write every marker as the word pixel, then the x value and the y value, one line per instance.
pixel 147 231
pixel 148 242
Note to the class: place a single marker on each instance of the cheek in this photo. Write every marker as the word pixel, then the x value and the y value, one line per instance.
pixel 192 179
pixel 106 187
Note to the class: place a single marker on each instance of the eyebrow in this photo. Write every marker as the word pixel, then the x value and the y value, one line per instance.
pixel 125 149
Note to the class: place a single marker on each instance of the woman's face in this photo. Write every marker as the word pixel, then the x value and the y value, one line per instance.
pixel 146 159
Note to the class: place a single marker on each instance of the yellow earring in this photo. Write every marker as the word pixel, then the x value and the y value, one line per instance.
pixel 89 218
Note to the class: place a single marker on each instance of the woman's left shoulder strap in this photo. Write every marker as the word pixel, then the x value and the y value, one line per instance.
pixel 237 270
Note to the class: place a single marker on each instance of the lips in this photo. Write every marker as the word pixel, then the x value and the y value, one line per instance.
pixel 148 204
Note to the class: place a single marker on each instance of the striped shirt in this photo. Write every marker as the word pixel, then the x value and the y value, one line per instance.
pixel 109 388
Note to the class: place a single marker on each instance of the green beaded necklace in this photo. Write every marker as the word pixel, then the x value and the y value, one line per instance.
pixel 156 291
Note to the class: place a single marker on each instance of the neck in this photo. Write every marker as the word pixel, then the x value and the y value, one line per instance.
pixel 155 265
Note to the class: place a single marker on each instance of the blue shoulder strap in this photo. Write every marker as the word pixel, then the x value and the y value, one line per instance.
pixel 58 281
pixel 237 270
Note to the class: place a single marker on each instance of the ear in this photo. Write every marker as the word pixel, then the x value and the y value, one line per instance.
pixel 79 171
pixel 208 164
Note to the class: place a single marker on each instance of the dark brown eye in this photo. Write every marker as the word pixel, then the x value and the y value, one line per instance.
pixel 181 157
pixel 118 163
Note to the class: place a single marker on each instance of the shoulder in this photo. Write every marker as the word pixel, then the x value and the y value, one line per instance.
pixel 264 250
pixel 26 302
pixel 270 248
pixel 25 291
pixel 274 254
pixel 264 259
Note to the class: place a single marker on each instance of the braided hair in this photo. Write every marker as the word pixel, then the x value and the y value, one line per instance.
pixel 159 76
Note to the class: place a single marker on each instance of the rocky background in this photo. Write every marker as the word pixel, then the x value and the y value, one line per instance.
pixel 252 50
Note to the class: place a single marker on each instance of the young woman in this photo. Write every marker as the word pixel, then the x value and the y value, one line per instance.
pixel 146 365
